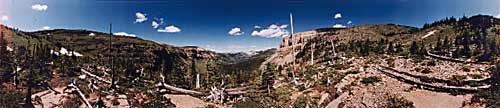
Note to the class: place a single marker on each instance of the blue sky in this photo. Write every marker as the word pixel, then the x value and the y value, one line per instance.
pixel 207 23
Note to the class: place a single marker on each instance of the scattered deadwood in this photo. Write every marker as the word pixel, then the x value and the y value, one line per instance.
pixel 80 94
pixel 95 76
pixel 450 59
pixel 449 89
pixel 181 90
pixel 215 95
pixel 468 82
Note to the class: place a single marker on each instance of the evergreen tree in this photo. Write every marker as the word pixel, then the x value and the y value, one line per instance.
pixel 365 48
pixel 268 78
pixel 390 48
pixel 446 43
pixel 399 47
pixel 422 49
pixel 3 49
pixel 413 47
pixel 493 49
pixel 438 44
pixel 465 44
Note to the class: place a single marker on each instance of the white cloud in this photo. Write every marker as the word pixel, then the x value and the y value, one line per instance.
pixel 45 27
pixel 170 29
pixel 284 26
pixel 338 16
pixel 39 7
pixel 257 27
pixel 140 17
pixel 498 16
pixel 349 22
pixel 236 31
pixel 155 24
pixel 5 18
pixel 272 31
pixel 124 34
pixel 339 26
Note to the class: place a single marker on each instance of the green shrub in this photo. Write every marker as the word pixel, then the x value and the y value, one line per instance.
pixel 247 104
pixel 301 102
pixel 10 98
pixel 476 76
pixel 371 79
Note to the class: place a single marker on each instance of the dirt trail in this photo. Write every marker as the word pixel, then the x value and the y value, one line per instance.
pixel 186 101
pixel 48 98
pixel 429 99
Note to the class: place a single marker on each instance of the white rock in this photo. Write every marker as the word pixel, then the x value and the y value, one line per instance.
pixel 77 54
pixel 9 49
pixel 82 76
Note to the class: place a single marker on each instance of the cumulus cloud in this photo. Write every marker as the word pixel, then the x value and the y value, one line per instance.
pixel 39 7
pixel 45 27
pixel 155 24
pixel 140 17
pixel 257 27
pixel 338 16
pixel 124 34
pixel 339 26
pixel 170 29
pixel 272 31
pixel 349 22
pixel 5 18
pixel 236 31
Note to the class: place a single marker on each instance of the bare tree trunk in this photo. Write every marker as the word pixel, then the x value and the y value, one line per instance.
pixel 496 84
pixel 312 53
pixel 197 81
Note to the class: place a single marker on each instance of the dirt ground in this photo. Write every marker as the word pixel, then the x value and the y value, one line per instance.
pixel 429 99
pixel 186 101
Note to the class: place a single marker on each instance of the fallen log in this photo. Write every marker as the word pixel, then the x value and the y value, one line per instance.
pixel 95 76
pixel 468 82
pixel 181 90
pixel 80 94
pixel 432 87
pixel 231 91
pixel 451 59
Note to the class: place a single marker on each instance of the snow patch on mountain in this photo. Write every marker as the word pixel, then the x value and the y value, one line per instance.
pixel 429 34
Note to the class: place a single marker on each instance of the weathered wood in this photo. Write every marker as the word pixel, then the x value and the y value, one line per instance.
pixel 450 59
pixel 181 90
pixel 438 80
pixel 95 76
pixel 432 87
pixel 81 95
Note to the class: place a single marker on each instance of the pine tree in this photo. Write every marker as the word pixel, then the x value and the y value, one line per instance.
pixel 414 47
pixel 493 49
pixel 446 43
pixel 3 49
pixel 438 44
pixel 399 47
pixel 390 48
pixel 465 44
